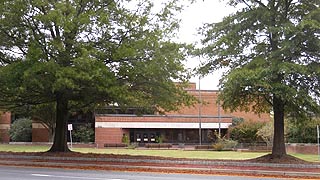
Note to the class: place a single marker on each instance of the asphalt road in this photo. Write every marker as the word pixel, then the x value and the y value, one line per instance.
pixel 22 173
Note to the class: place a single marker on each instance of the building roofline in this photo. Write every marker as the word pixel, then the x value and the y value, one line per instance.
pixel 201 90
pixel 168 116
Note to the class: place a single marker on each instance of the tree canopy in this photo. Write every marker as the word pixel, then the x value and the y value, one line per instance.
pixel 79 53
pixel 271 50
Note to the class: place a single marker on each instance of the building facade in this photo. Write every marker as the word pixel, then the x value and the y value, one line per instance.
pixel 199 123
pixel 190 125
pixel 5 121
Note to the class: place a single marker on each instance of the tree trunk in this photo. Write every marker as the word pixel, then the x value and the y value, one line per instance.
pixel 278 149
pixel 60 135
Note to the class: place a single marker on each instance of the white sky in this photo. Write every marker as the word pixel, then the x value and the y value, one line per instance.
pixel 193 17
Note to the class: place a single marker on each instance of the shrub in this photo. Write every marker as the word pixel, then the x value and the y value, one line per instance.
pixel 133 146
pixel 246 132
pixel 303 130
pixel 229 144
pixel 218 146
pixel 160 139
pixel 224 144
pixel 266 133
pixel 84 133
pixel 21 130
pixel 125 139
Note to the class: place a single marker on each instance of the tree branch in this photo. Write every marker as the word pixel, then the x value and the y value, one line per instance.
pixel 14 38
pixel 50 26
pixel 245 2
pixel 261 4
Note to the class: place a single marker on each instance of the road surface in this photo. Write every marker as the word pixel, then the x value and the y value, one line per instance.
pixel 23 173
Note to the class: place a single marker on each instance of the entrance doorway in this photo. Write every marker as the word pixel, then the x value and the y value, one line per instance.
pixel 174 136
pixel 144 136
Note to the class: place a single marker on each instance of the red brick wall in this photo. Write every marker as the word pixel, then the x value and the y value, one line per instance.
pixel 210 107
pixel 191 86
pixel 108 135
pixel 114 135
pixel 302 148
pixel 40 135
pixel 5 118
pixel 5 121
pixel 209 113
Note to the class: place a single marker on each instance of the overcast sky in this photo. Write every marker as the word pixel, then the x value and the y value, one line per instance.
pixel 203 11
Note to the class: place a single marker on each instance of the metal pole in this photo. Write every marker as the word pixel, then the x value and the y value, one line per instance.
pixel 200 105
pixel 318 138
pixel 70 139
pixel 219 118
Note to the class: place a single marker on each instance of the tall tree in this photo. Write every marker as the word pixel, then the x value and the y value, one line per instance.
pixel 80 53
pixel 271 50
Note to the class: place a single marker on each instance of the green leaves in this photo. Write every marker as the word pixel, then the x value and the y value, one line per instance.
pixel 270 49
pixel 80 54
pixel 21 130
pixel 92 52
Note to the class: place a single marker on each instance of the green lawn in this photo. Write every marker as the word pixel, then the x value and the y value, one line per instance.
pixel 231 155
pixel 23 148
pixel 177 153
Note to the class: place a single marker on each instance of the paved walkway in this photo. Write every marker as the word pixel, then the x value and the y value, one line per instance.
pixel 166 165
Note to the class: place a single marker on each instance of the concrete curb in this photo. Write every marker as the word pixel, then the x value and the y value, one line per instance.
pixel 128 167
pixel 163 161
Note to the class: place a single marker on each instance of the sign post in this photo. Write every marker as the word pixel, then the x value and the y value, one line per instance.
pixel 318 139
pixel 70 128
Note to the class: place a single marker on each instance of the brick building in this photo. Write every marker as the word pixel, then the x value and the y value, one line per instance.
pixel 5 121
pixel 182 126
pixel 40 133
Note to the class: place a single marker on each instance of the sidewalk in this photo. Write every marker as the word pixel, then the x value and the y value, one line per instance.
pixel 166 165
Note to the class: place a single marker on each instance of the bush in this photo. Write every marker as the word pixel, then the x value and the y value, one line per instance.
pixel 21 130
pixel 229 144
pixel 266 133
pixel 160 139
pixel 84 133
pixel 125 139
pixel 224 144
pixel 246 132
pixel 303 130
pixel 218 146
pixel 133 146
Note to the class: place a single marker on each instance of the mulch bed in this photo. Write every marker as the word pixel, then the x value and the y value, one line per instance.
pixel 171 166
pixel 287 159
